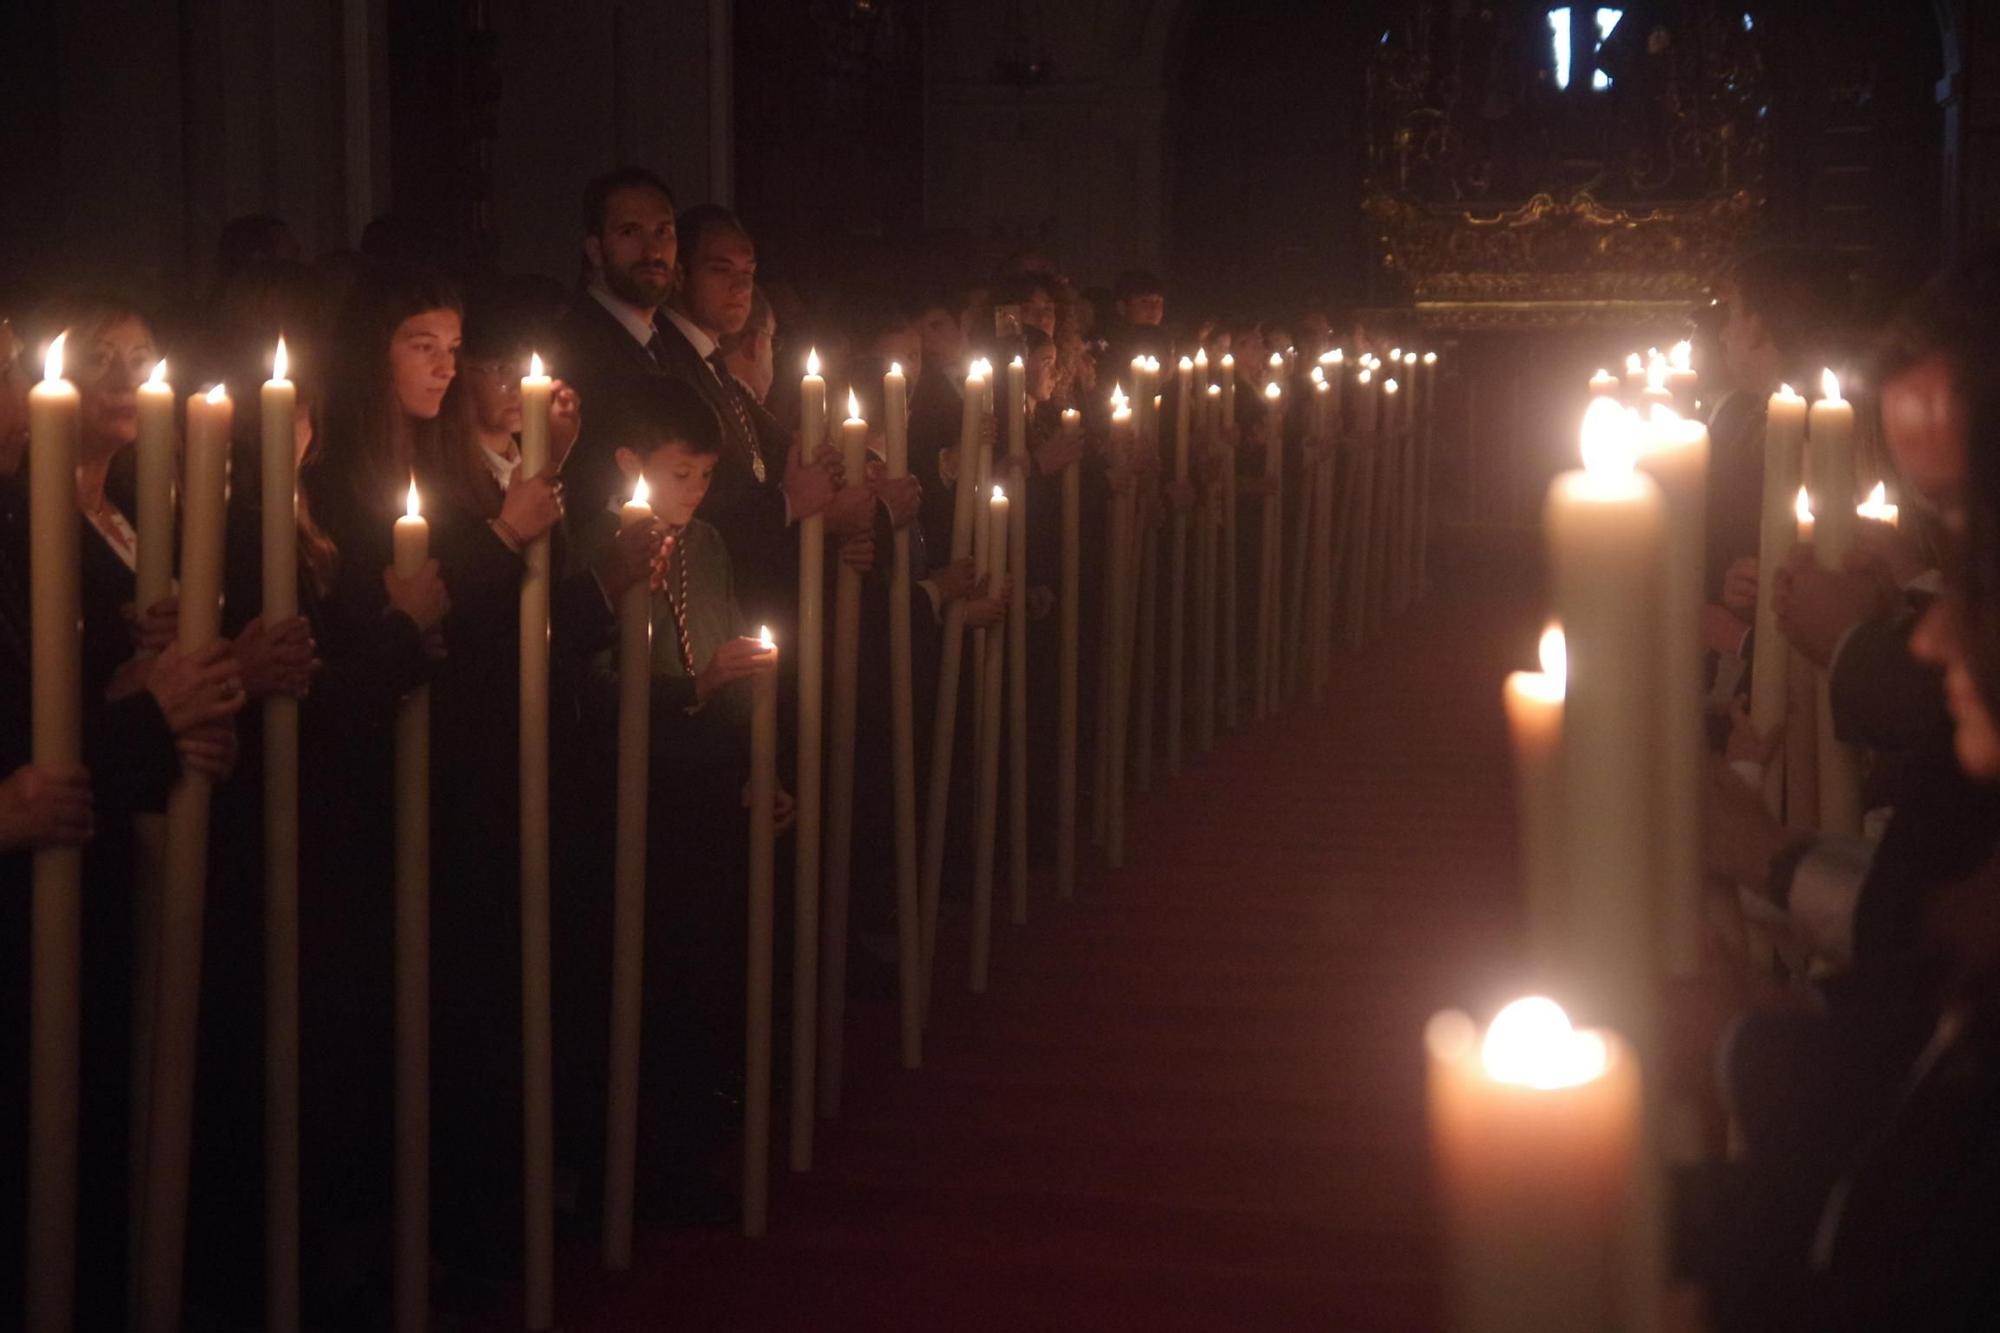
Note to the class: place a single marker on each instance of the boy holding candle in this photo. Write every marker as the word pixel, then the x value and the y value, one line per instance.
pixel 695 920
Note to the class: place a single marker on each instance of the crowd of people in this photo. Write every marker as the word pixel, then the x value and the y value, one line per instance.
pixel 1863 1075
pixel 1854 1056
pixel 672 363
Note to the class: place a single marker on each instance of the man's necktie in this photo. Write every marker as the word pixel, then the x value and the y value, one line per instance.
pixel 734 397
pixel 656 349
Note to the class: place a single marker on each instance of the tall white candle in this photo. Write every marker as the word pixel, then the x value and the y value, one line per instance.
pixel 1830 434
pixel 1017 650
pixel 987 794
pixel 185 885
pixel 902 726
pixel 1784 435
pixel 537 1037
pixel 628 898
pixel 1067 650
pixel 811 651
pixel 55 609
pixel 839 853
pixel 758 970
pixel 411 546
pixel 155 485
pixel 1177 567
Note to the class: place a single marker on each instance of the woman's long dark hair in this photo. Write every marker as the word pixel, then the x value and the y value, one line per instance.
pixel 361 462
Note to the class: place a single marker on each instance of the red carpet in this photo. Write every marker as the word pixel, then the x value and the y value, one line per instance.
pixel 1193 1098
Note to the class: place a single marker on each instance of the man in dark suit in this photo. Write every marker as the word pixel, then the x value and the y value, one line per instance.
pixel 760 489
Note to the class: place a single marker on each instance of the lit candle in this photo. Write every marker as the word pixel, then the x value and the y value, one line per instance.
pixel 1534 703
pixel 1830 437
pixel 1604 384
pixel 1674 453
pixel 1270 546
pixel 1635 376
pixel 1876 508
pixel 1017 652
pixel 1426 443
pixel 902 725
pixel 1535 1136
pixel 155 488
pixel 1802 511
pixel 1780 527
pixel 1228 389
pixel 185 883
pixel 811 652
pixel 937 804
pixel 1067 650
pixel 987 791
pixel 628 897
pixel 57 738
pixel 278 401
pixel 757 1017
pixel 537 1037
pixel 1682 381
pixel 411 549
pixel 838 868
pixel 1656 393
pixel 1116 680
pixel 1225 540
pixel 1606 533
pixel 1361 487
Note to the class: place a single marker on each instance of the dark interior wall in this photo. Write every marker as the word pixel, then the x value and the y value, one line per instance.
pixel 1265 154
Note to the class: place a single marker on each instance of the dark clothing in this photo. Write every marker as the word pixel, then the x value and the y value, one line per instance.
pixel 1735 486
pixel 1883 697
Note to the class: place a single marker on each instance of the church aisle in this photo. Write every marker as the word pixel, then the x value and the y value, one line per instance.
pixel 1192 1099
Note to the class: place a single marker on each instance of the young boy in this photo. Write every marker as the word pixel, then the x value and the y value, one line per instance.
pixel 697 826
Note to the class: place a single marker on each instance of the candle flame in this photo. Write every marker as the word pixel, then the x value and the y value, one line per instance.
pixel 982 368
pixel 1829 386
pixel 641 493
pixel 1802 507
pixel 1786 392
pixel 1656 374
pixel 1319 377
pixel 159 375
pixel 1277 360
pixel 764 639
pixel 1339 356
pixel 410 508
pixel 1228 360
pixel 999 494
pixel 896 369
pixel 812 361
pixel 280 363
pixel 1608 446
pixel 1272 391
pixel 535 365
pixel 1070 416
pixel 1201 357
pixel 1120 404
pixel 1367 376
pixel 1409 358
pixel 1430 358
pixel 1682 355
pixel 1633 365
pixel 1652 354
pixel 1215 391
pixel 218 394
pixel 1395 353
pixel 1554 653
pixel 1388 386
pixel 52 363
pixel 1187 364
pixel 853 406
pixel 1017 361
pixel 1531 1044
pixel 1880 495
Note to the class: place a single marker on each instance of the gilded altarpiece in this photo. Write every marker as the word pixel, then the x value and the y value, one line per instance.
pixel 1546 184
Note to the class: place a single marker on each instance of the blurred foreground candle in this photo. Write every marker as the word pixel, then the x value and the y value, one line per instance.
pixel 1876 508
pixel 1674 453
pixel 808 775
pixel 1535 1136
pixel 1830 438
pixel 1534 702
pixel 57 931
pixel 757 1012
pixel 1681 378
pixel 1784 432
pixel 1604 384
pixel 411 549
pixel 1656 394
pixel 628 897
pixel 1605 528
pixel 278 403
pixel 185 886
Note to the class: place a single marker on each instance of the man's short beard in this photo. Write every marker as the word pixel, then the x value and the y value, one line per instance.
pixel 621 285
